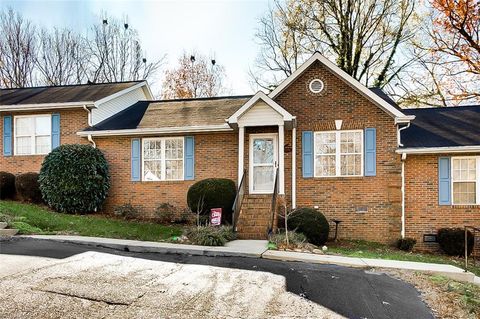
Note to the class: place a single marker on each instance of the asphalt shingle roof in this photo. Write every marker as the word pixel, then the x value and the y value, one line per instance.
pixel 62 94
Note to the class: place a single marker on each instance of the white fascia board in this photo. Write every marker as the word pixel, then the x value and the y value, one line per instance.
pixel 166 130
pixel 438 150
pixel 45 106
pixel 254 99
pixel 345 77
pixel 120 93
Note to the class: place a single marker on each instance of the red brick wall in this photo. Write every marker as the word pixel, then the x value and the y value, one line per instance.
pixel 215 156
pixel 423 214
pixel 71 121
pixel 339 198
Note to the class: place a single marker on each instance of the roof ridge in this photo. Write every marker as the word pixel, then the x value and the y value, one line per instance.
pixel 202 98
pixel 443 108
pixel 71 85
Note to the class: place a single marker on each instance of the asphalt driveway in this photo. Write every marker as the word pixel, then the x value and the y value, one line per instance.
pixel 353 293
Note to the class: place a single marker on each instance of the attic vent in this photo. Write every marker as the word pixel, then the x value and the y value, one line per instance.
pixel 316 86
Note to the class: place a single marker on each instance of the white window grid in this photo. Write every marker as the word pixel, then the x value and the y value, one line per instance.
pixel 475 180
pixel 32 135
pixel 338 154
pixel 159 154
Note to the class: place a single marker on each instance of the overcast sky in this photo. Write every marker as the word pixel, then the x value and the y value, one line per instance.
pixel 224 28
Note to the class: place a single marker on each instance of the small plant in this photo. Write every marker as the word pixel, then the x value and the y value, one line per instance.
pixel 165 213
pixel 406 244
pixel 311 223
pixel 7 185
pixel 126 211
pixel 452 241
pixel 294 238
pixel 209 236
pixel 184 217
pixel 28 188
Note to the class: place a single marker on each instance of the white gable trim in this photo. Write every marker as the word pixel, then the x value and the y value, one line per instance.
pixel 392 111
pixel 260 96
pixel 124 91
pixel 440 150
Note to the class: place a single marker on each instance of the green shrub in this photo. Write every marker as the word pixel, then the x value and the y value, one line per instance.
pixel 165 213
pixel 7 185
pixel 452 241
pixel 185 217
pixel 294 238
pixel 210 236
pixel 126 211
pixel 27 186
pixel 212 193
pixel 311 223
pixel 74 179
pixel 406 244
pixel 25 228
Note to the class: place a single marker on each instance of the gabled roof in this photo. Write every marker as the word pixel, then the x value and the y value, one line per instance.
pixel 360 88
pixel 171 116
pixel 260 96
pixel 62 96
pixel 442 128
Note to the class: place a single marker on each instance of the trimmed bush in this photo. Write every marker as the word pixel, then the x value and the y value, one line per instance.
pixel 212 193
pixel 74 179
pixel 7 185
pixel 311 223
pixel 294 239
pixel 406 244
pixel 27 187
pixel 166 213
pixel 126 211
pixel 210 236
pixel 452 241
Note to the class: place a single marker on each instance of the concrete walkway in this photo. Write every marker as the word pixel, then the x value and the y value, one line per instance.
pixel 258 249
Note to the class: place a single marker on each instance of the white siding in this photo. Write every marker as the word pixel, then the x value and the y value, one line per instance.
pixel 260 114
pixel 107 109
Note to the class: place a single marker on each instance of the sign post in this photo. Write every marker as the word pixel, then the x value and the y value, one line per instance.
pixel 215 216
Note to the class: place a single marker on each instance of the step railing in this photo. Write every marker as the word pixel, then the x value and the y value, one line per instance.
pixel 237 204
pixel 274 204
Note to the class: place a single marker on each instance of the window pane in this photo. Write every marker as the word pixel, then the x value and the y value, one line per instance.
pixel 325 143
pixel 325 165
pixel 174 169
pixel 23 145
pixel 350 165
pixel 174 149
pixel 263 151
pixel 152 170
pixel 464 169
pixel 152 149
pixel 464 193
pixel 43 125
pixel 263 178
pixel 42 144
pixel 24 126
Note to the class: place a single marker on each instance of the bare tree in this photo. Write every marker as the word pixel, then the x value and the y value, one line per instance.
pixel 195 76
pixel 62 58
pixel 363 37
pixel 18 45
pixel 117 55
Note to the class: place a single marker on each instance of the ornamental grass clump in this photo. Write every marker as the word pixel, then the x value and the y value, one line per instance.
pixel 74 178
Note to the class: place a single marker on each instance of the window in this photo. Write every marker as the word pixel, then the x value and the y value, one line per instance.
pixel 465 179
pixel 316 86
pixel 33 134
pixel 163 159
pixel 338 153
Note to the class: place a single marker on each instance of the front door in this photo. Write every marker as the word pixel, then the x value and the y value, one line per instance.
pixel 263 163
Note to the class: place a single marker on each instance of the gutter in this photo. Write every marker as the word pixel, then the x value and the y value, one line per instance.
pixel 438 150
pixel 45 106
pixel 166 130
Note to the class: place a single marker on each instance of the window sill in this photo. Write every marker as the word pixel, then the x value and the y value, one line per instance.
pixel 337 178
pixel 465 206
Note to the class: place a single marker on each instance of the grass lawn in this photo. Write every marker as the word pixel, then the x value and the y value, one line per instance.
pixel 34 219
pixel 364 249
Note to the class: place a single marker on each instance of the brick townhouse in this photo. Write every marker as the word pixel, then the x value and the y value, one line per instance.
pixel 320 139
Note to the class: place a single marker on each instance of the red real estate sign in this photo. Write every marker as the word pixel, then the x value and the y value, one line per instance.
pixel 215 216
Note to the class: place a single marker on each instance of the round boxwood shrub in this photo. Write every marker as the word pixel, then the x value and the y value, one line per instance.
pixel 311 223
pixel 452 241
pixel 28 188
pixel 7 185
pixel 74 179
pixel 212 193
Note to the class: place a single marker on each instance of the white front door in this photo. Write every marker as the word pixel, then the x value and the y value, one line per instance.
pixel 263 162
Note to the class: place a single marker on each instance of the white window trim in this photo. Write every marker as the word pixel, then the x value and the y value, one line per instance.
pixel 164 167
pixel 477 181
pixel 33 137
pixel 337 154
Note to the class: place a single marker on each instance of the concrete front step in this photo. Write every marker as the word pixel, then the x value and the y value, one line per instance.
pixel 8 232
pixel 3 225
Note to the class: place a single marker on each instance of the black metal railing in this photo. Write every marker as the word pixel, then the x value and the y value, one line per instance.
pixel 237 204
pixel 474 231
pixel 274 204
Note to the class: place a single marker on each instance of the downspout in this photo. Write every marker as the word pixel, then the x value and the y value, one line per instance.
pixel 294 173
pixel 399 141
pixel 89 120
pixel 404 157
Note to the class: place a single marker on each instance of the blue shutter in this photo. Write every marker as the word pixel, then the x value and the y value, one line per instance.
pixel 55 130
pixel 444 179
pixel 189 161
pixel 7 135
pixel 370 161
pixel 136 159
pixel 307 154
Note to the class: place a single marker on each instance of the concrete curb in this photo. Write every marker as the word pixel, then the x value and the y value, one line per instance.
pixel 232 249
